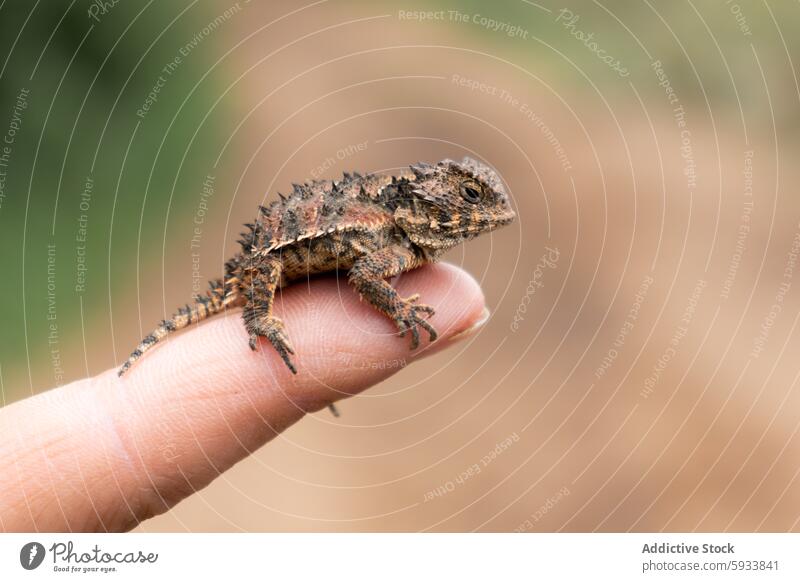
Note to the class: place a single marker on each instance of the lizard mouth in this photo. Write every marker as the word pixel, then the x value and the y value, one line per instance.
pixel 504 219
pixel 493 225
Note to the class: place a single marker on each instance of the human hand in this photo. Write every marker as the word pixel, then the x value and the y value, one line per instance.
pixel 104 453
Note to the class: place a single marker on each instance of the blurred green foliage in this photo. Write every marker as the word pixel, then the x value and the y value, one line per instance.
pixel 87 71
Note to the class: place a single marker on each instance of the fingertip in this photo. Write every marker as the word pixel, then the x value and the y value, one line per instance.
pixel 203 400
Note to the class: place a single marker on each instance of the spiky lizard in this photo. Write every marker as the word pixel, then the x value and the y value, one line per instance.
pixel 373 226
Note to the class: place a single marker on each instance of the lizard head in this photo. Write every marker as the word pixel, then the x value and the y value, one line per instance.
pixel 452 202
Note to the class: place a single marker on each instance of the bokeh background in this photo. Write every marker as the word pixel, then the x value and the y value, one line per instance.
pixel 639 371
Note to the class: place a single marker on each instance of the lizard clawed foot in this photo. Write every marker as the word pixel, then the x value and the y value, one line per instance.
pixel 272 329
pixel 408 318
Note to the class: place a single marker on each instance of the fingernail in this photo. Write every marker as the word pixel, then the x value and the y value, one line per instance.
pixel 484 317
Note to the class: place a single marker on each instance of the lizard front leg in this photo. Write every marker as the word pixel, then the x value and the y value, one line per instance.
pixel 368 276
pixel 262 276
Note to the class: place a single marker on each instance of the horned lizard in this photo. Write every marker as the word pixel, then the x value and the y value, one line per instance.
pixel 374 226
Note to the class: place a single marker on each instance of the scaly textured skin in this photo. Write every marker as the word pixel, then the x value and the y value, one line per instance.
pixel 374 227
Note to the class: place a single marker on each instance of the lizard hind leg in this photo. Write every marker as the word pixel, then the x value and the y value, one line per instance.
pixel 214 301
pixel 259 324
pixel 262 280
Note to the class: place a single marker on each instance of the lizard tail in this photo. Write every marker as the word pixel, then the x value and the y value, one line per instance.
pixel 213 302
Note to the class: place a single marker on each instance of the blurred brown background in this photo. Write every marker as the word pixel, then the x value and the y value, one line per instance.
pixel 639 371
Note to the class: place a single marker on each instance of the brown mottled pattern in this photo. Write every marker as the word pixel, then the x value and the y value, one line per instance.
pixel 374 227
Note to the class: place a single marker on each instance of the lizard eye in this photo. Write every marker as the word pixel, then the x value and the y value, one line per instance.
pixel 470 193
